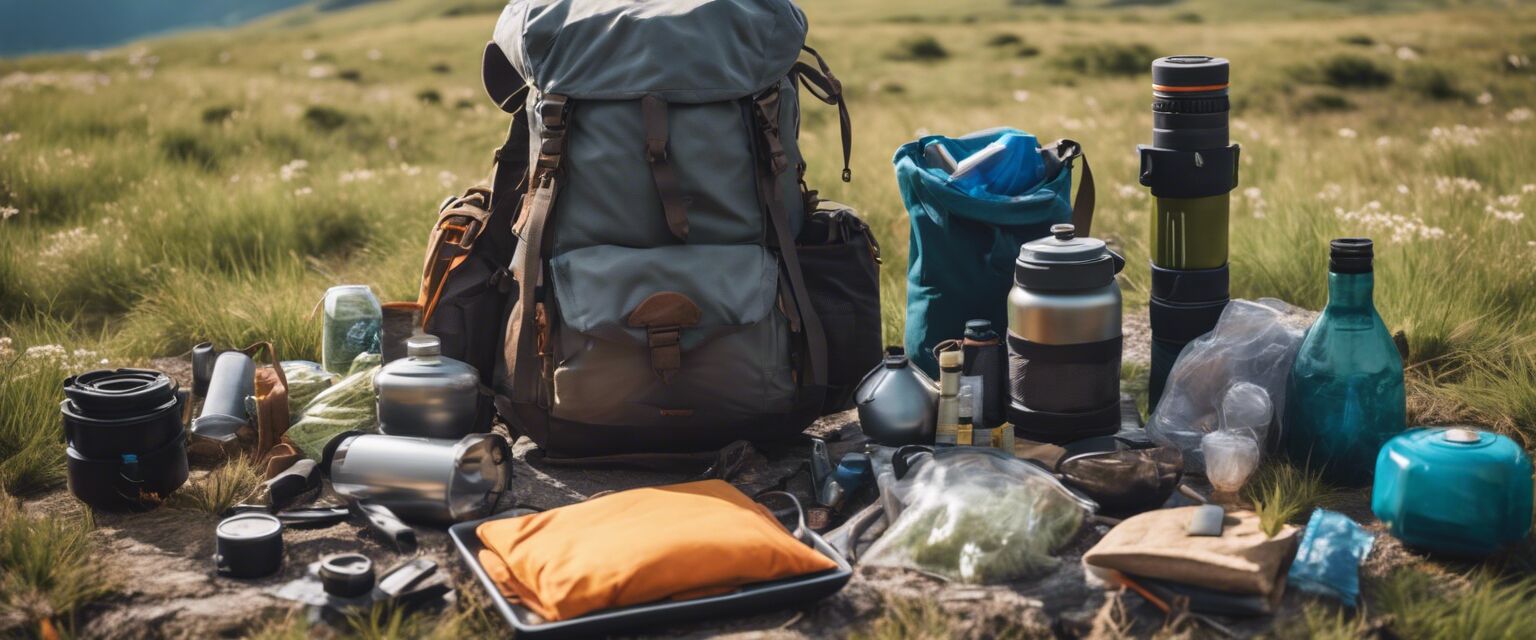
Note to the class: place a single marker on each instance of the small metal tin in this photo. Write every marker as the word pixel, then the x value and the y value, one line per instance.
pixel 249 545
pixel 346 575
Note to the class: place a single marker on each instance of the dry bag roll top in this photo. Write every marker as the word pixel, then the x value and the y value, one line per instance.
pixel 654 296
pixel 972 202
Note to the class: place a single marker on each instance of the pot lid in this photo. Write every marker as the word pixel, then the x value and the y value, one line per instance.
pixel 1063 246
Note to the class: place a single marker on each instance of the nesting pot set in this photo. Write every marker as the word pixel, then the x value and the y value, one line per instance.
pixel 126 447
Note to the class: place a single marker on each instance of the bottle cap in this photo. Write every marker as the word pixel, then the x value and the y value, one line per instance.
pixel 424 344
pixel 1188 72
pixel 895 357
pixel 979 330
pixel 1350 255
pixel 950 360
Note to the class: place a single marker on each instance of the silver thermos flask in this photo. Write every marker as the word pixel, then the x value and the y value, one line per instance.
pixel 1064 339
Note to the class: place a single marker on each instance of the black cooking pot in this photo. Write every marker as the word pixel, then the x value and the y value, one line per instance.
pixel 108 413
pixel 128 481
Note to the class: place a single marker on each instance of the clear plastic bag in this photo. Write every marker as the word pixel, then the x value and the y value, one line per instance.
pixel 979 516
pixel 306 380
pixel 1254 342
pixel 348 405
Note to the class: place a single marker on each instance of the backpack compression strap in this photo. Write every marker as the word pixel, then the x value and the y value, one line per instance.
pixel 528 260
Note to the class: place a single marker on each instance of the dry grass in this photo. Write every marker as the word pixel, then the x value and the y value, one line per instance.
pixel 1284 494
pixel 230 484
pixel 46 571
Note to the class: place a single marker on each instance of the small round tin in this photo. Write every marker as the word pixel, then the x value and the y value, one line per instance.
pixel 250 545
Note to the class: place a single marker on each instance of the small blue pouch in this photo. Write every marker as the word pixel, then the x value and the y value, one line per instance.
pixel 1328 561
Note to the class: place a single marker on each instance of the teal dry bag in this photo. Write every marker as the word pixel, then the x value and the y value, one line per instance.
pixel 973 201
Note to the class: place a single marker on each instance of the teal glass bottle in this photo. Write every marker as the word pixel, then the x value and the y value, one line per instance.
pixel 1345 395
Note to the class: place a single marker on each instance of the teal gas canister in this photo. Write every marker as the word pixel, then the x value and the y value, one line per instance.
pixel 1456 491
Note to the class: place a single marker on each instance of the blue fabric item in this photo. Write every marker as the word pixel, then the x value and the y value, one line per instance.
pixel 1328 561
pixel 1009 166
pixel 963 245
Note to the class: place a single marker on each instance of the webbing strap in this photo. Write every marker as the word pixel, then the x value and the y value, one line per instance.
pixel 767 105
pixel 653 115
pixel 1068 151
pixel 827 88
pixel 528 260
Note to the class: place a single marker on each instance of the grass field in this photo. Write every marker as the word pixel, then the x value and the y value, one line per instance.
pixel 210 186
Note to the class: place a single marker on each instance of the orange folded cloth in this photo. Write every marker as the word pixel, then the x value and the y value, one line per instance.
pixel 643 545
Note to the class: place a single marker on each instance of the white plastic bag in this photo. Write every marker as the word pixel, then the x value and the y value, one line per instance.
pixel 1253 342
pixel 979 516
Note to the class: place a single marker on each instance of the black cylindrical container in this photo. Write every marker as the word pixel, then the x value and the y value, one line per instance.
pixel 1191 167
pixel 248 545
pixel 128 481
pixel 985 368
pixel 107 413
pixel 347 575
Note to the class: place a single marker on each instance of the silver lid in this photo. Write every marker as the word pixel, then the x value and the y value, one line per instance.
pixel 1461 436
pixel 1062 246
pixel 424 344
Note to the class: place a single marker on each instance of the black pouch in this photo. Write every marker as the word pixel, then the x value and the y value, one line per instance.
pixel 841 262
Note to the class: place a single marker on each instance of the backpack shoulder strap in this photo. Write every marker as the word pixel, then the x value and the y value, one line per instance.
pixel 820 82
pixel 1066 152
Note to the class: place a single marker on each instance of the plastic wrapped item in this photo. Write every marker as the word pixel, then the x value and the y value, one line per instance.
pixel 348 405
pixel 306 380
pixel 1230 459
pixel 1010 166
pixel 1328 561
pixel 1254 342
pixel 978 516
pixel 1246 407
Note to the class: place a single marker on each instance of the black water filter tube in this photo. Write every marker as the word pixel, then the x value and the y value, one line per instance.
pixel 1191 167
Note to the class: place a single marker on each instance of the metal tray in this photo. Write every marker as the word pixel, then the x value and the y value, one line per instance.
pixel 748 600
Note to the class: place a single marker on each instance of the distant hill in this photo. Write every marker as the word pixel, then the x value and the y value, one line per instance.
pixel 31 26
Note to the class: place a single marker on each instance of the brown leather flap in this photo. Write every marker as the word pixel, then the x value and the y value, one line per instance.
pixel 665 309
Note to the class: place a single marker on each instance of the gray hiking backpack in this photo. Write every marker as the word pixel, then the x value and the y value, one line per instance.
pixel 669 283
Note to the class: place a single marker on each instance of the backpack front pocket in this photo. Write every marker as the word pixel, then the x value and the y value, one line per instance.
pixel 683 335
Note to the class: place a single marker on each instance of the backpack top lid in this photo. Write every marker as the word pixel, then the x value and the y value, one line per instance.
pixel 686 51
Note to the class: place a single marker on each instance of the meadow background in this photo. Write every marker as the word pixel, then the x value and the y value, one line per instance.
pixel 212 185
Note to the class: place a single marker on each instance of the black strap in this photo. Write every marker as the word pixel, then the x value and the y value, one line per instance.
pixel 1081 353
pixel 767 116
pixel 1067 151
pixel 653 116
pixel 826 87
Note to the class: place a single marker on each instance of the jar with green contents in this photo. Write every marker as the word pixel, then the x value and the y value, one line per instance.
pixel 351 327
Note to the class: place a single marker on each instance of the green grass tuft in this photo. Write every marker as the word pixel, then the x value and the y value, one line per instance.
pixel 230 484
pixel 47 570
pixel 1425 606
pixel 1285 494
pixel 919 49
pixel 1107 59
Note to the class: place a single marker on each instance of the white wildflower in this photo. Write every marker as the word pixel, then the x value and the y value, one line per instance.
pixel 1384 141
pixel 1131 191
pixel 292 170
pixel 1348 133
pixel 1402 189
pixel 447 178
pixel 1400 228
pixel 1529 188
pixel 1460 135
pixel 1331 191
pixel 375 55
pixel 6 350
pixel 356 175
pixel 1458 184
pixel 321 71
pixel 11 136
pixel 1485 98
pixel 1506 215
pixel 1519 115
pixel 409 169
pixel 1021 96
pixel 309 54
pixel 303 191
pixel 1407 54
pixel 6 213
pixel 1071 124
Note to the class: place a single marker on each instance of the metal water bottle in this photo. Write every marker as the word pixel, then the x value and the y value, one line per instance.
pixel 1064 339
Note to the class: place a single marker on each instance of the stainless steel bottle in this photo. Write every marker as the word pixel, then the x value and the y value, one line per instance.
pixel 430 395
pixel 1064 338
pixel 897 402
pixel 422 479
